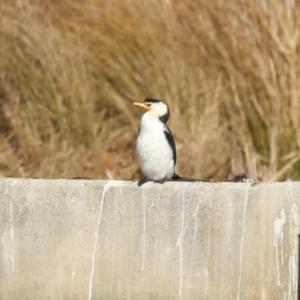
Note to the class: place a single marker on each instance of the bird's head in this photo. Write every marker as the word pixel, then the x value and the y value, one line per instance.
pixel 155 107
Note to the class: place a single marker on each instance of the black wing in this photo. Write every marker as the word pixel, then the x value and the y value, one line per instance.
pixel 171 142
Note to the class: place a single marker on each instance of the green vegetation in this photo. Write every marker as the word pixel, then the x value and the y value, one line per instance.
pixel 70 70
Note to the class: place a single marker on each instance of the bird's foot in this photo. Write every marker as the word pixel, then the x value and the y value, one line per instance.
pixel 161 181
pixel 144 180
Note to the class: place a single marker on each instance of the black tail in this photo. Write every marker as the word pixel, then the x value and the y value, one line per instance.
pixel 176 177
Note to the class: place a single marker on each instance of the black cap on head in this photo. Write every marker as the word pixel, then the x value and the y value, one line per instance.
pixel 151 100
pixel 163 117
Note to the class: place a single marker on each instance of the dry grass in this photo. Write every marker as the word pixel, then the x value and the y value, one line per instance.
pixel 69 71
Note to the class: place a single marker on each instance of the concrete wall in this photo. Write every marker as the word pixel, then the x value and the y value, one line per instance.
pixel 76 239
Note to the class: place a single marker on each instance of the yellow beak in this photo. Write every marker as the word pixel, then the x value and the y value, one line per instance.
pixel 143 105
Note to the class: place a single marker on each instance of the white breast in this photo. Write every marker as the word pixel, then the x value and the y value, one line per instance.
pixel 154 152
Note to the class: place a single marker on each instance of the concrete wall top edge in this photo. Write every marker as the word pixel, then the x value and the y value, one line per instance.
pixel 129 183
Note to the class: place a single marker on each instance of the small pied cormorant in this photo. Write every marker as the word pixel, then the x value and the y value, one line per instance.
pixel 155 144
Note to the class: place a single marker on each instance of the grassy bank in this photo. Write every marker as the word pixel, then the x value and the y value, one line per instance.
pixel 70 70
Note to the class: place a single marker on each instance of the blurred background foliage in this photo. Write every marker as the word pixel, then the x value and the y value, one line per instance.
pixel 70 70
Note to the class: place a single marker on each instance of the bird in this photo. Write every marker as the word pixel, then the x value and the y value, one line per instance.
pixel 155 144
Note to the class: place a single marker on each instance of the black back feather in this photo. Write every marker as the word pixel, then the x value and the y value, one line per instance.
pixel 171 142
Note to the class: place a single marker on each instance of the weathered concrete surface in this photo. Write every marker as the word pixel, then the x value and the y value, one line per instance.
pixel 76 239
